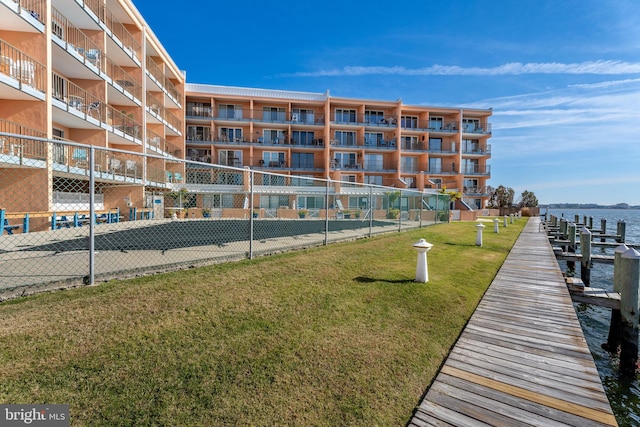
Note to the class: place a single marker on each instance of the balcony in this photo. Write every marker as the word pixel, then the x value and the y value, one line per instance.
pixel 71 39
pixel 157 76
pixel 22 151
pixel 120 36
pixel 83 110
pixel 32 13
pixel 476 151
pixel 125 129
pixel 124 88
pixel 476 170
pixel 20 74
pixel 477 128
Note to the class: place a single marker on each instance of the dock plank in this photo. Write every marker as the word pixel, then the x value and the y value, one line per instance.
pixel 522 359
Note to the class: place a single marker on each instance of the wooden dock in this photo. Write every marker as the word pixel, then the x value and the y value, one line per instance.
pixel 522 359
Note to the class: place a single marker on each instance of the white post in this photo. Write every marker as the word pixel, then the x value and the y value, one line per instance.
pixel 505 220
pixel 496 221
pixel 479 227
pixel 630 274
pixel 422 271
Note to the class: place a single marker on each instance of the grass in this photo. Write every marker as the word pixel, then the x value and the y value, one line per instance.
pixel 337 335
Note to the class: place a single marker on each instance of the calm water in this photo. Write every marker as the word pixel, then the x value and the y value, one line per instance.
pixel 624 396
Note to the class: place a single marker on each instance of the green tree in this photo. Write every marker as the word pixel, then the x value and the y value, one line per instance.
pixel 528 199
pixel 501 197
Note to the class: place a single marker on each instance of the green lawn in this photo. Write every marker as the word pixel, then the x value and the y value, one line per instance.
pixel 337 335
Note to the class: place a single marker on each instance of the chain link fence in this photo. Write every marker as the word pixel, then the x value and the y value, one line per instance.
pixel 76 214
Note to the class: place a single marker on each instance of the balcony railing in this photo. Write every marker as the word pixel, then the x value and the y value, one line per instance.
pixel 35 8
pixel 476 170
pixel 123 79
pixel 156 72
pixel 477 150
pixel 22 148
pixel 76 39
pixel 23 68
pixel 128 41
pixel 123 122
pixel 77 98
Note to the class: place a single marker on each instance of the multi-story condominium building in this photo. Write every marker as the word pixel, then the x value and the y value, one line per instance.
pixel 93 72
pixel 353 140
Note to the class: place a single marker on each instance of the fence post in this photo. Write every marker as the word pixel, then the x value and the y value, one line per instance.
pixel 326 216
pixel 630 273
pixel 92 214
pixel 251 180
pixel 371 210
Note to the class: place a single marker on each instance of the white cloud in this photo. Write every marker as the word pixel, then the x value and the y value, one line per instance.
pixel 599 67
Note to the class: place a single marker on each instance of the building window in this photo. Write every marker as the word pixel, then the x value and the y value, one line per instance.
pixel 199 133
pixel 198 109
pixel 470 166
pixel 435 165
pixel 229 111
pixel 273 114
pixel 470 125
pixel 273 136
pixel 302 181
pixel 373 162
pixel 409 122
pixel 302 160
pixel 345 116
pixel 375 139
pixel 300 115
pixel 435 144
pixel 302 137
pixel 409 164
pixel 435 122
pixel 276 180
pixel 373 117
pixel 470 146
pixel 310 202
pixel 231 134
pixel 273 159
pixel 410 143
pixel 230 158
pixel 345 138
pixel 274 202
pixel 345 160
pixel 373 179
pixel 229 178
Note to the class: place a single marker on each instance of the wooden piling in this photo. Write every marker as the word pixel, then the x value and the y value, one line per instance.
pixel 621 231
pixel 585 261
pixel 630 282
pixel 571 234
pixel 603 229
pixel 615 326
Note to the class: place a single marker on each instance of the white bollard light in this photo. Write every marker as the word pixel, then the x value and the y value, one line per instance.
pixel 479 227
pixel 511 218
pixel 496 221
pixel 505 220
pixel 422 271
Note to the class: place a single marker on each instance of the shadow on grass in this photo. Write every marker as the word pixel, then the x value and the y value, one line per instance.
pixel 362 279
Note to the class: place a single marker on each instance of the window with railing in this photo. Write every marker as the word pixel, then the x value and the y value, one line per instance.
pixel 373 138
pixel 410 143
pixel 273 159
pixel 230 134
pixel 373 117
pixel 436 122
pixel 303 137
pixel 345 160
pixel 300 115
pixel 199 133
pixel 229 111
pixel 470 125
pixel 198 109
pixel 273 136
pixel 273 114
pixel 345 138
pixel 345 116
pixel 470 166
pixel 230 158
pixel 409 122
pixel 471 146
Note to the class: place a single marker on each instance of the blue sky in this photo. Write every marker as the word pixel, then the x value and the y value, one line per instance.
pixel 562 77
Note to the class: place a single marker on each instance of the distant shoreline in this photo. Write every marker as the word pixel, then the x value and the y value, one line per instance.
pixel 586 206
